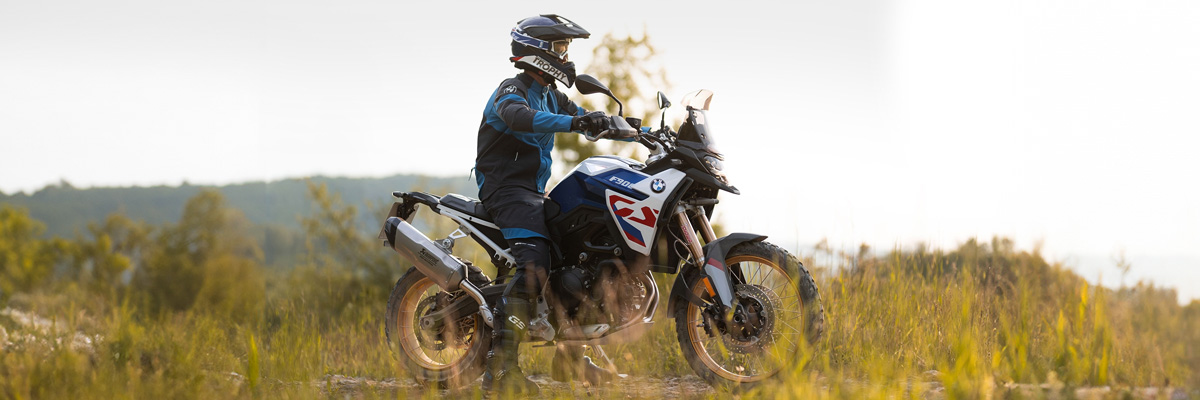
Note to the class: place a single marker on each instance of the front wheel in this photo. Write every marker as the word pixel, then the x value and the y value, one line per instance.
pixel 777 308
pixel 449 356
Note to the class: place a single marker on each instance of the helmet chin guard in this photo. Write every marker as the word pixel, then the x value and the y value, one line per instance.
pixel 562 72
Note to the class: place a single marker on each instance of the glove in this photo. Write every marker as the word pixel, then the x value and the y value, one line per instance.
pixel 591 123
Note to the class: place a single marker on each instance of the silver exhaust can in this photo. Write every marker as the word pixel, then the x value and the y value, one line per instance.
pixel 433 261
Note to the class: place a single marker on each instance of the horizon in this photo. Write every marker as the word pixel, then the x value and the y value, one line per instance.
pixel 1097 269
pixel 186 182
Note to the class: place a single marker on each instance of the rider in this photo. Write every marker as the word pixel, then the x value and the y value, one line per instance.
pixel 512 166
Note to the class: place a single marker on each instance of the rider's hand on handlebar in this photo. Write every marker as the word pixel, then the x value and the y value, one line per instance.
pixel 591 124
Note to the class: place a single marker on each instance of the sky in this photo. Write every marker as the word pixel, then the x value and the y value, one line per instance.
pixel 1070 126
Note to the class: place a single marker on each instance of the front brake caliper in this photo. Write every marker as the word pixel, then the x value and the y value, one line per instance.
pixel 712 318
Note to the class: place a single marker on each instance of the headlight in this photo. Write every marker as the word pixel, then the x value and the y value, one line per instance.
pixel 713 164
pixel 715 167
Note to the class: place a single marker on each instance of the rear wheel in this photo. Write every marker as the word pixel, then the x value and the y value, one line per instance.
pixel 777 308
pixel 447 357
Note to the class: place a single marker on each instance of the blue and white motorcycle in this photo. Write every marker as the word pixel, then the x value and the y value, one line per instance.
pixel 742 307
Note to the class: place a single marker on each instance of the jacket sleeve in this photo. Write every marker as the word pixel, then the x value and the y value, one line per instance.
pixel 515 112
pixel 569 107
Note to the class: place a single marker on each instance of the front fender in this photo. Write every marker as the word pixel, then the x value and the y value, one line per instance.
pixel 714 268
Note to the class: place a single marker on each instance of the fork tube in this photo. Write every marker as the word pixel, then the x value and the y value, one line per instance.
pixel 689 235
pixel 705 227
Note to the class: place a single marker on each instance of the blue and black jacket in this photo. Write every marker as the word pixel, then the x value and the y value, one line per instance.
pixel 516 135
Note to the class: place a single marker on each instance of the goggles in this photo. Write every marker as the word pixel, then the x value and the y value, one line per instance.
pixel 558 47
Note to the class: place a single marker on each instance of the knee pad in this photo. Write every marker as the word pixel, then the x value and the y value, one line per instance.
pixel 533 251
pixel 533 265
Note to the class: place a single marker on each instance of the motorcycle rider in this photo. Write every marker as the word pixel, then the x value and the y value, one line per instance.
pixel 512 167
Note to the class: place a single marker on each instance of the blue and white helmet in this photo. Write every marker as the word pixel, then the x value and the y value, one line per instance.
pixel 540 43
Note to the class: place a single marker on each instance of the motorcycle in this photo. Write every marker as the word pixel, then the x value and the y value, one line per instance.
pixel 742 307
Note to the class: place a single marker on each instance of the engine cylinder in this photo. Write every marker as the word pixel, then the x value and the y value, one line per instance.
pixel 568 287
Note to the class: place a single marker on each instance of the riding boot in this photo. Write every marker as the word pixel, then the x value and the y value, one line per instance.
pixel 503 375
pixel 570 364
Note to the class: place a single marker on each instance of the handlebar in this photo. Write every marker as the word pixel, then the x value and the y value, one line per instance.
pixel 660 142
pixel 618 127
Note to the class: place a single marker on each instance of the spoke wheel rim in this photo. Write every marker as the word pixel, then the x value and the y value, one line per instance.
pixel 407 316
pixel 792 304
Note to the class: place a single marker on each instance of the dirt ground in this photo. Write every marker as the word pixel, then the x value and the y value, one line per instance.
pixel 692 387
pixel 686 387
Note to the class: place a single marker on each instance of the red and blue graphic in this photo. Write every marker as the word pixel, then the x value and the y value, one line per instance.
pixel 637 221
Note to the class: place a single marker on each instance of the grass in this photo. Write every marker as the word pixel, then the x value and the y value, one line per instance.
pixel 968 322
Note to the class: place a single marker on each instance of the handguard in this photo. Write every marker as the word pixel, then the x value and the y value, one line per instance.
pixel 618 128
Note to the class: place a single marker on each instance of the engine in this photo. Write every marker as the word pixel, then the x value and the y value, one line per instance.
pixel 603 292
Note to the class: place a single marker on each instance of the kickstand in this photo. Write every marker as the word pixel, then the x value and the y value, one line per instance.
pixel 600 352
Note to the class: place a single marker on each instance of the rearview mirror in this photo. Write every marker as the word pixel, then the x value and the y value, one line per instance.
pixel 590 85
pixel 663 103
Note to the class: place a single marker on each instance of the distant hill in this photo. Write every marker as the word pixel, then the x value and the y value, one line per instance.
pixel 66 210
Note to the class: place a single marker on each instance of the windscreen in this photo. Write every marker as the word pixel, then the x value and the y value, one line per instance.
pixel 697 127
pixel 699 99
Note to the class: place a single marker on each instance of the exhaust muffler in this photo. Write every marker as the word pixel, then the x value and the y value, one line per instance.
pixel 434 262
pixel 429 258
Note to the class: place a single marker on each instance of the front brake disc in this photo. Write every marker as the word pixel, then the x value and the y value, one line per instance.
pixel 754 336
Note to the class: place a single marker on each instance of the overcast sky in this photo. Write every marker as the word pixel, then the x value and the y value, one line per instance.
pixel 1070 123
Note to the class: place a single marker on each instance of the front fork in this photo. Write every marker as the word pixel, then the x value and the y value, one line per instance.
pixel 716 279
pixel 689 231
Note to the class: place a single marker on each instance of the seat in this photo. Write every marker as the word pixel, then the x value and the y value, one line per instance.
pixel 465 205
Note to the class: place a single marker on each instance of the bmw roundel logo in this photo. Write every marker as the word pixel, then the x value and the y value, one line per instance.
pixel 658 185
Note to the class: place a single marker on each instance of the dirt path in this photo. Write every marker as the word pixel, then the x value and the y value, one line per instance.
pixel 692 387
pixel 686 387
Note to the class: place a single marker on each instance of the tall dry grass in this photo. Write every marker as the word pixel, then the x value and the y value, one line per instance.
pixel 968 320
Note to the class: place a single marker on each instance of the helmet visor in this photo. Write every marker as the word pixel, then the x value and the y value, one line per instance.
pixel 559 47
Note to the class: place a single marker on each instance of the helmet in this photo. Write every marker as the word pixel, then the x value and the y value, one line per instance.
pixel 540 43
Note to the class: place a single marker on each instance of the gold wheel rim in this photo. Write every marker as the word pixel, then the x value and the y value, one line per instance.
pixel 407 319
pixel 791 302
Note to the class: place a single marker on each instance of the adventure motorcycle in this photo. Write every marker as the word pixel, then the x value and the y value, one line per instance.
pixel 742 307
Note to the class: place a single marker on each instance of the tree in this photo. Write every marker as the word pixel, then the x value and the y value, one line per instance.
pixel 206 261
pixel 335 240
pixel 627 66
pixel 110 251
pixel 26 261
